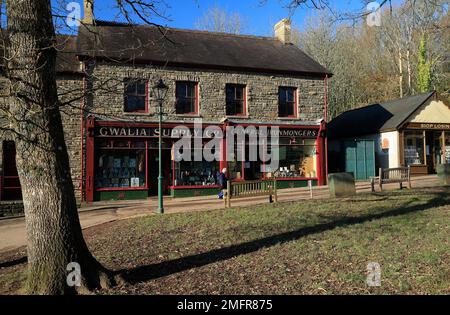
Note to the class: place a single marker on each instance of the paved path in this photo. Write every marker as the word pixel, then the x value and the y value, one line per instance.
pixel 12 231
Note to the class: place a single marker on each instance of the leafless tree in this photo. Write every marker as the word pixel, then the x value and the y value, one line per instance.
pixel 217 19
pixel 32 109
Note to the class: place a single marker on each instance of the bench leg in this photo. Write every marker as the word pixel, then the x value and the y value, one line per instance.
pixel 372 184
pixel 401 185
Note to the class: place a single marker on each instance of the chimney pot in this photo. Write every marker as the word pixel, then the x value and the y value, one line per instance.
pixel 283 31
pixel 88 7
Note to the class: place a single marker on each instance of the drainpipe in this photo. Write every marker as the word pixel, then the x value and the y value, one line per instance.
pixel 83 106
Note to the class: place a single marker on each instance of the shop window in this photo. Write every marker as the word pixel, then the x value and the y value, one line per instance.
pixel 10 183
pixel 236 167
pixel 235 100
pixel 297 158
pixel 414 148
pixel 135 96
pixel 196 173
pixel 287 102
pixel 187 98
pixel 447 148
pixel 121 164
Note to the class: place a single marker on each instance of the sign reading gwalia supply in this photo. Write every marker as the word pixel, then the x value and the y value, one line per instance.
pixel 150 132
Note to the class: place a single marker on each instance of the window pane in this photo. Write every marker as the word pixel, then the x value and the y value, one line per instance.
pixel 286 106
pixel 196 173
pixel 141 88
pixel 290 95
pixel 190 90
pixel 230 93
pixel 135 95
pixel 414 148
pixel 297 161
pixel 134 103
pixel 120 168
pixel 239 93
pixel 186 97
pixel 235 95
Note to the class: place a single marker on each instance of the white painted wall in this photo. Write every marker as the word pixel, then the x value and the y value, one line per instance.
pixel 392 153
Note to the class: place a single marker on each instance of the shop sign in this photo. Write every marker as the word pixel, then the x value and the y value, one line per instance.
pixel 428 126
pixel 150 132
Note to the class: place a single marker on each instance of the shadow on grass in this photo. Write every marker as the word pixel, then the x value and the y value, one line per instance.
pixel 154 271
pixel 11 263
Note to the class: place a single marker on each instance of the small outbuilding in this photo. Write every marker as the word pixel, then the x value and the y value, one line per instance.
pixel 412 131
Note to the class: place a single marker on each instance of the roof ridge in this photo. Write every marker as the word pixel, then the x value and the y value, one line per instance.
pixel 103 23
pixel 389 101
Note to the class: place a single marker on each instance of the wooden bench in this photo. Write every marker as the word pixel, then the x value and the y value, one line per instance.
pixel 236 190
pixel 392 175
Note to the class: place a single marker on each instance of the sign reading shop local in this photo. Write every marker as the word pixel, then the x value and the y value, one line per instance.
pixel 177 132
pixel 428 126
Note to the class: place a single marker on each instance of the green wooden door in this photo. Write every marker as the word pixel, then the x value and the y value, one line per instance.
pixel 360 158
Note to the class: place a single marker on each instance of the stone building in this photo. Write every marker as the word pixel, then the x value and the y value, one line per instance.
pixel 224 80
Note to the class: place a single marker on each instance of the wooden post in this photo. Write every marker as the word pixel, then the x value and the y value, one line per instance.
pixel 409 177
pixel 372 183
pixel 229 192
pixel 381 179
pixel 271 192
pixel 275 192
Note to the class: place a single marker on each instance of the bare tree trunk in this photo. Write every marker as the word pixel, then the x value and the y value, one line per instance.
pixel 400 68
pixel 53 228
pixel 408 61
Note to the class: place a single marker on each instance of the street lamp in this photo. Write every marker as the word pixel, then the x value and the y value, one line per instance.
pixel 160 93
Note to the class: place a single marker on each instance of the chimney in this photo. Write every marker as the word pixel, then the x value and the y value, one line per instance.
pixel 283 31
pixel 88 8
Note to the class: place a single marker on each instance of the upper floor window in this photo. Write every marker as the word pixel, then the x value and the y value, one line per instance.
pixel 287 102
pixel 187 97
pixel 235 100
pixel 135 96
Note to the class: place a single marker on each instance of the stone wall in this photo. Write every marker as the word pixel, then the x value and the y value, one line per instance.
pixel 11 208
pixel 107 99
pixel 262 92
pixel 70 91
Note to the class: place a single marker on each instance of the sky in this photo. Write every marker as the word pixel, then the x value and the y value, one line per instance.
pixel 259 18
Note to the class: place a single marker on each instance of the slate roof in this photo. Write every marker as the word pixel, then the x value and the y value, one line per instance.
pixel 66 58
pixel 202 49
pixel 376 118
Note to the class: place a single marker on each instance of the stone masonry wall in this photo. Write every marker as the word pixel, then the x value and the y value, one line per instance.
pixel 262 92
pixel 107 99
pixel 70 89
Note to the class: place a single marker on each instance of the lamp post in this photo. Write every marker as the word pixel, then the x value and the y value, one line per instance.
pixel 160 92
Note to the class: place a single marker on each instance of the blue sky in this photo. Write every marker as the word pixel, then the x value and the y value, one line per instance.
pixel 259 18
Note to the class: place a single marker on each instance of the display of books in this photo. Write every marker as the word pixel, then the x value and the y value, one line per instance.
pixel 135 182
pixel 412 156
pixel 118 172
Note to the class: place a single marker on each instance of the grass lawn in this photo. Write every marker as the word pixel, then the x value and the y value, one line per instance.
pixel 309 247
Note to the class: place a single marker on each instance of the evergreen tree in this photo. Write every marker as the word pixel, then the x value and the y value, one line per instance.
pixel 423 68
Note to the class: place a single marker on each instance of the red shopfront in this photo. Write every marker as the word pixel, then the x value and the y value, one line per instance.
pixel 122 161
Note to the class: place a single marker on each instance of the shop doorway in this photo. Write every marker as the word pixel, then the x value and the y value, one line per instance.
pixel 10 185
pixel 434 150
pixel 153 171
